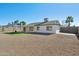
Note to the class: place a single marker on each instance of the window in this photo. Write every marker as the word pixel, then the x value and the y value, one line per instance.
pixel 49 28
pixel 38 28
pixel 24 29
pixel 31 28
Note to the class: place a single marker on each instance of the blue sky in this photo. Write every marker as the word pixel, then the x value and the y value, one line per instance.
pixel 35 12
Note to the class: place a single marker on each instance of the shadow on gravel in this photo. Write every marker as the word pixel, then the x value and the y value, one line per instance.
pixel 35 33
pixel 77 36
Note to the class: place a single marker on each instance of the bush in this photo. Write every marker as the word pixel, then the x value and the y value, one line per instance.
pixel 15 31
pixel 73 30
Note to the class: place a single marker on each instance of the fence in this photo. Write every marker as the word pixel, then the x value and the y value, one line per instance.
pixel 10 29
pixel 74 30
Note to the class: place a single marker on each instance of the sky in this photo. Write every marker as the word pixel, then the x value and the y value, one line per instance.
pixel 36 12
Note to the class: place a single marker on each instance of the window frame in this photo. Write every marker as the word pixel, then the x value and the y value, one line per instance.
pixel 49 28
pixel 38 28
pixel 31 28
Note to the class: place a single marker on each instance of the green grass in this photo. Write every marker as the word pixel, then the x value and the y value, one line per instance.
pixel 17 33
pixel 14 33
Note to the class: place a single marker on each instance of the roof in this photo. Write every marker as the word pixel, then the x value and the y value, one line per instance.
pixel 55 22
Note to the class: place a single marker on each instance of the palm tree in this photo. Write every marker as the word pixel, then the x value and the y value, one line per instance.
pixel 16 22
pixel 69 20
pixel 13 26
pixel 2 28
pixel 22 23
pixel 9 24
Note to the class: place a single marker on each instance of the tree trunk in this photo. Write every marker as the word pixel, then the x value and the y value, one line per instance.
pixel 2 29
pixel 69 24
pixel 21 27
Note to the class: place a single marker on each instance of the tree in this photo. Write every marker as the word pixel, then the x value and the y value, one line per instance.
pixel 16 22
pixel 9 24
pixel 12 24
pixel 2 28
pixel 22 23
pixel 69 20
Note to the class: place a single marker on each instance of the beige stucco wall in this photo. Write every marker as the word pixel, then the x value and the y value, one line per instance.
pixel 55 29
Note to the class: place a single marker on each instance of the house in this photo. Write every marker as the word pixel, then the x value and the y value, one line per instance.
pixel 43 27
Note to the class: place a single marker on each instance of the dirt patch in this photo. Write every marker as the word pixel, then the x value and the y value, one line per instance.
pixel 38 45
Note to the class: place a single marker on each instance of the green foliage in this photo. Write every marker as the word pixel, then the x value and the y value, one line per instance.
pixel 69 20
pixel 23 23
pixel 16 22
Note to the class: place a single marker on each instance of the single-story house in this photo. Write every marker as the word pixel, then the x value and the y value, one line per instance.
pixel 44 27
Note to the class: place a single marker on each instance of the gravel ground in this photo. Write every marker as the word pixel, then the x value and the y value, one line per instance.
pixel 38 45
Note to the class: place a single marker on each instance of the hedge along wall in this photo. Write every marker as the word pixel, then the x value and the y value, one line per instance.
pixel 73 30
